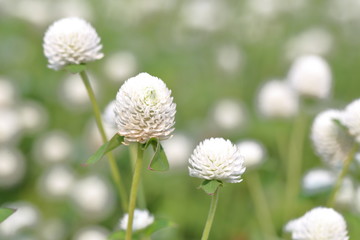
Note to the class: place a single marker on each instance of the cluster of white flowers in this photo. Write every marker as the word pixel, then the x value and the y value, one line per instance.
pixel 142 219
pixel 319 223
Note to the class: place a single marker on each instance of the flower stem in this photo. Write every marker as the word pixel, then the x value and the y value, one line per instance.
pixel 141 194
pixel 342 175
pixel 113 166
pixel 261 205
pixel 134 190
pixel 210 218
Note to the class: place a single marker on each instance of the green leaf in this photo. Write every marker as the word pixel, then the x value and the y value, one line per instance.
pixel 5 213
pixel 339 124
pixel 75 68
pixel 159 161
pixel 210 186
pixel 113 143
pixel 158 225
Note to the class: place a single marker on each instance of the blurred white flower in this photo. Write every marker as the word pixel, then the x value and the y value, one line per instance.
pixel 252 151
pixel 68 8
pixel 229 58
pixel 121 66
pixel 217 159
pixel 142 219
pixel 109 115
pixel 10 126
pixel 71 41
pixel 53 229
pixel 12 167
pixel 351 119
pixel 33 116
pixel 7 92
pixel 229 114
pixel 332 143
pixel 357 199
pixel 93 197
pixel 92 135
pixel 25 216
pixel 56 182
pixel 310 75
pixel 346 193
pixel 315 41
pixel 41 8
pixel 144 109
pixel 177 149
pixel 318 224
pixel 276 99
pixel 317 180
pixel 92 233
pixel 54 146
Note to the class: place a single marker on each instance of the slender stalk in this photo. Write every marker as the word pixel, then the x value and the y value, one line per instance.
pixel 343 173
pixel 113 166
pixel 210 218
pixel 293 173
pixel 261 205
pixel 134 190
pixel 141 194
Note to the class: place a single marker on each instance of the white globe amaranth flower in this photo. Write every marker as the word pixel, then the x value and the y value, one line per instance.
pixel 71 41
pixel 351 119
pixel 310 75
pixel 144 109
pixel 142 219
pixel 276 99
pixel 253 152
pixel 319 223
pixel 217 159
pixel 318 180
pixel 332 143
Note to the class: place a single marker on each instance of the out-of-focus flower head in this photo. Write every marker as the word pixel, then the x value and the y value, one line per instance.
pixel 217 159
pixel 317 180
pixel 12 167
pixel 144 109
pixel 71 41
pixel 142 219
pixel 252 151
pixel 7 92
pixel 351 119
pixel 229 114
pixel 120 66
pixel 92 233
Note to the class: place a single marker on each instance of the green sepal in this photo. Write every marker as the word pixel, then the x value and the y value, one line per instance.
pixel 159 161
pixel 75 68
pixel 5 213
pixel 113 143
pixel 210 186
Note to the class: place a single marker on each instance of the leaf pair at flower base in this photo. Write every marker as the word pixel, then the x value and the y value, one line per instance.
pixel 158 162
pixel 5 213
pixel 211 186
pixel 157 225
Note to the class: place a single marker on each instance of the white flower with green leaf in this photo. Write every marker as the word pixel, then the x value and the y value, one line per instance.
pixel 142 219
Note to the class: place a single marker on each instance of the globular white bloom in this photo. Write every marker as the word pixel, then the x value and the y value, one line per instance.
pixel 317 180
pixel 144 109
pixel 96 189
pixel 54 146
pixel 25 216
pixel 229 58
pixel 276 99
pixel 12 167
pixel 92 233
pixel 229 114
pixel 331 142
pixel 32 115
pixel 217 159
pixel 57 182
pixel 316 41
pixel 10 126
pixel 351 119
pixel 319 223
pixel 252 151
pixel 7 92
pixel 177 149
pixel 121 66
pixel 142 219
pixel 311 76
pixel 346 193
pixel 71 41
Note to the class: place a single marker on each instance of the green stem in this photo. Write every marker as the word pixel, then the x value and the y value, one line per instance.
pixel 211 215
pixel 342 175
pixel 134 190
pixel 141 194
pixel 293 173
pixel 261 205
pixel 113 166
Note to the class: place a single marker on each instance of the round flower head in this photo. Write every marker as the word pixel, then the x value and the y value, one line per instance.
pixel 318 180
pixel 252 151
pixel 351 119
pixel 311 76
pixel 318 224
pixel 144 109
pixel 217 159
pixel 142 219
pixel 276 99
pixel 332 143
pixel 71 41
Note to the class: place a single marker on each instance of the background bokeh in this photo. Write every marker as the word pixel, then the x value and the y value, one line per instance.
pixel 214 56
